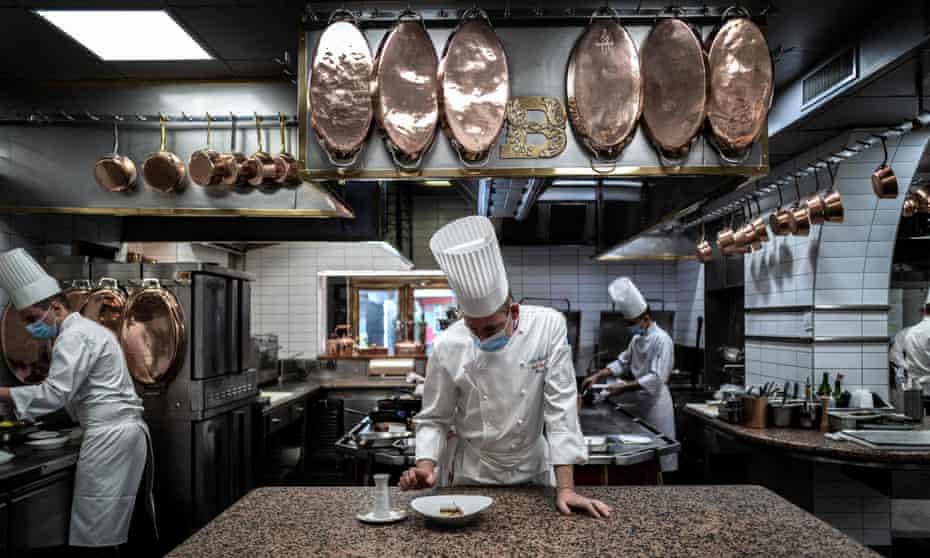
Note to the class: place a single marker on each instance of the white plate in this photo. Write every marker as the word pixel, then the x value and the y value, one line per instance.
pixel 634 439
pixel 49 443
pixel 471 506
pixel 393 516
pixel 6 457
pixel 42 435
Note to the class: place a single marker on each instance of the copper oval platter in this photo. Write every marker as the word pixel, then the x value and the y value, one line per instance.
pixel 339 91
pixel 26 357
pixel 741 86
pixel 407 92
pixel 152 334
pixel 604 86
pixel 475 87
pixel 674 70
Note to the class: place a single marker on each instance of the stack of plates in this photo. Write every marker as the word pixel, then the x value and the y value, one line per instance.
pixel 46 439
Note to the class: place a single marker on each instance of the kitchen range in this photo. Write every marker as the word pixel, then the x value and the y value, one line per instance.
pixel 446 277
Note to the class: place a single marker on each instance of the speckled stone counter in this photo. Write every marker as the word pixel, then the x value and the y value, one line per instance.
pixel 811 443
pixel 647 521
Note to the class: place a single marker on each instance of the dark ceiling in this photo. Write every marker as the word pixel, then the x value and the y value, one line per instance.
pixel 247 35
pixel 244 35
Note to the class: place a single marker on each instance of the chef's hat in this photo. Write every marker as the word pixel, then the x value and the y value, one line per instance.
pixel 24 279
pixel 627 297
pixel 467 252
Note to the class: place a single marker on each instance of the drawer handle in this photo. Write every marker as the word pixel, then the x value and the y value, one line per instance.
pixel 275 420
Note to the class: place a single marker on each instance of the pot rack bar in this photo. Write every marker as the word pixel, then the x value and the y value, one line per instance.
pixel 137 119
pixel 317 14
pixel 763 187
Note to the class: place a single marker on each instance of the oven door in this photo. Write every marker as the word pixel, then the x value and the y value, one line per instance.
pixel 215 342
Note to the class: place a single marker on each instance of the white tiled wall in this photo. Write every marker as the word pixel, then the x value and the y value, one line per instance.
pixel 284 296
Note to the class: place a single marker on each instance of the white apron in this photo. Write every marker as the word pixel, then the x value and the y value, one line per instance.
pixel 514 411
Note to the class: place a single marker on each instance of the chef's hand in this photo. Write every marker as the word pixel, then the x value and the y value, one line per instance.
pixel 618 388
pixel 566 499
pixel 419 477
pixel 593 378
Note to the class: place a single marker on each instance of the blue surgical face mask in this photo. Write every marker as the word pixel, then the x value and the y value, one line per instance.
pixel 42 330
pixel 495 342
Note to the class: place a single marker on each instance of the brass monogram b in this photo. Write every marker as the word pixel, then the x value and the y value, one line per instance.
pixel 519 127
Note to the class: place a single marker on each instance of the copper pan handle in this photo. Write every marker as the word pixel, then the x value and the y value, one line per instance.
pixel 604 12
pixel 409 12
pixel 258 132
pixel 343 163
pixel 209 130
pixel 738 10
pixel 115 135
pixel 343 13
pixel 281 124
pixel 403 165
pixel 471 165
pixel 151 283
pixel 107 283
pixel 161 123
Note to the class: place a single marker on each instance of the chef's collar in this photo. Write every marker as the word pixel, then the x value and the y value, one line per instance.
pixel 69 319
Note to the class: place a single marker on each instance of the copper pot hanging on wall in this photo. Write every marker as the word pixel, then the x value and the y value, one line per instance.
pixel 604 86
pixel 163 170
pixel 207 166
pixel 406 93
pixel 290 165
pixel 339 89
pixel 262 168
pixel 760 232
pixel 884 182
pixel 115 172
pixel 105 304
pixel 674 73
pixel 704 251
pixel 781 220
pixel 152 334
pixel 474 81
pixel 741 85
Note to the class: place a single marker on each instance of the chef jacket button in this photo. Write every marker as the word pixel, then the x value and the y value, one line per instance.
pixel 522 392
pixel 485 397
pixel 519 421
pixel 513 446
pixel 522 364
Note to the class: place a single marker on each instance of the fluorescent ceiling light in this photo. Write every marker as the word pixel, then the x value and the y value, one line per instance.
pixel 127 35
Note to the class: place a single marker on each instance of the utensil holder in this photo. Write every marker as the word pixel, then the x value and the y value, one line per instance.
pixel 755 411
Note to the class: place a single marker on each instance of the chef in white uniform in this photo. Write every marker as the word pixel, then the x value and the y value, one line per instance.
pixel 88 376
pixel 502 379
pixel 916 350
pixel 649 358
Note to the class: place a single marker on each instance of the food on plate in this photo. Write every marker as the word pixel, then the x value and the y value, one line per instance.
pixel 450 510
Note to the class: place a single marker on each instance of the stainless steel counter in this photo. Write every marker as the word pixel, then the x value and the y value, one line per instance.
pixel 32 463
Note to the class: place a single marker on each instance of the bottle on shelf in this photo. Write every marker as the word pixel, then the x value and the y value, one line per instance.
pixel 824 389
pixel 838 389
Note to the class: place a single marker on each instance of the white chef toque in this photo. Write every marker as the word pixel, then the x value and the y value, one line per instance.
pixel 24 279
pixel 627 297
pixel 467 252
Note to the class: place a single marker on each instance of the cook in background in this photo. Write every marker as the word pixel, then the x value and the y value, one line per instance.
pixel 88 376
pixel 498 379
pixel 645 366
pixel 916 350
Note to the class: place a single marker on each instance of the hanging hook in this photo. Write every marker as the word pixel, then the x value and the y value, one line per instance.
pixel 884 149
pixel 162 119
pixel 282 124
pixel 258 131
pixel 91 116
pixel 115 135
pixel 232 132
pixel 209 130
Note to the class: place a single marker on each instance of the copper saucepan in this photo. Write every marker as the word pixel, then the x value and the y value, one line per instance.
pixel 705 252
pixel 920 201
pixel 163 171
pixel 781 220
pixel 760 232
pixel 884 182
pixel 725 238
pixel 832 201
pixel 115 172
pixel 207 166
pixel 911 205
pixel 264 168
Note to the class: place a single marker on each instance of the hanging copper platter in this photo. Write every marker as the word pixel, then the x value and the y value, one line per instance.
pixel 407 91
pixel 339 90
pixel 77 294
pixel 474 88
pixel 26 357
pixel 741 86
pixel 152 334
pixel 674 70
pixel 604 87
pixel 105 304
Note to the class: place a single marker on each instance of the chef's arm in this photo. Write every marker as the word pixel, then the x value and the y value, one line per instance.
pixel 71 360
pixel 660 369
pixel 560 406
pixel 614 368
pixel 435 417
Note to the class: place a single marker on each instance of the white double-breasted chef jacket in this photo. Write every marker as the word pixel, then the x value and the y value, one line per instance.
pixel 514 412
pixel 650 357
pixel 88 376
pixel 916 349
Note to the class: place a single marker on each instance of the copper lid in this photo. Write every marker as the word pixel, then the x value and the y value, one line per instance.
pixel 740 87
pixel 339 91
pixel 407 91
pixel 152 334
pixel 675 87
pixel 475 87
pixel 105 305
pixel 605 88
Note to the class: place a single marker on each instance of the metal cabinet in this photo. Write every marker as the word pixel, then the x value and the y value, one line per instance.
pixel 40 515
pixel 216 326
pixel 4 531
pixel 222 463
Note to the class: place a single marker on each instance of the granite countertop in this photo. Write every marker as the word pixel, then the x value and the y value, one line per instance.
pixel 809 442
pixel 32 463
pixel 646 521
